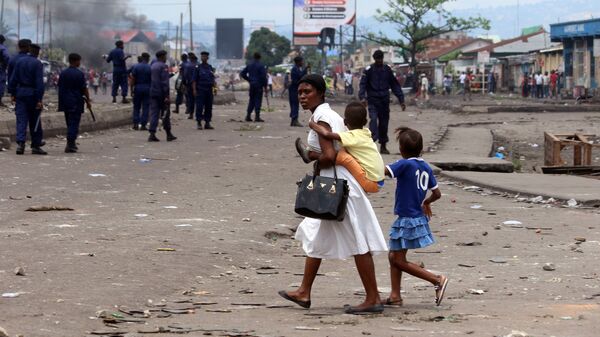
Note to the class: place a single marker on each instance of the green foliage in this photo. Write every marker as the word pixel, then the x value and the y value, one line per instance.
pixel 272 46
pixel 450 56
pixel 411 20
pixel 56 55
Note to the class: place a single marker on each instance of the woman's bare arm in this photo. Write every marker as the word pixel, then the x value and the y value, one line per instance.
pixel 328 153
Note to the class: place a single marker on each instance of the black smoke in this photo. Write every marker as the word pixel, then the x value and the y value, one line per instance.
pixel 76 25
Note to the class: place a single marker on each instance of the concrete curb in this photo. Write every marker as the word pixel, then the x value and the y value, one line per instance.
pixel 556 193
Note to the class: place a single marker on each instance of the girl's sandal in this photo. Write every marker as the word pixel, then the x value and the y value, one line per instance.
pixel 393 303
pixel 440 289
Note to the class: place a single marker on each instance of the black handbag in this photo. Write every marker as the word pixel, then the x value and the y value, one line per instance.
pixel 322 197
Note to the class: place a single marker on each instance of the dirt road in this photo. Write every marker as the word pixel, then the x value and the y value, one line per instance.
pixel 201 227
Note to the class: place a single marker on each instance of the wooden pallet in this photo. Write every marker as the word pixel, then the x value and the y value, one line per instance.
pixel 555 143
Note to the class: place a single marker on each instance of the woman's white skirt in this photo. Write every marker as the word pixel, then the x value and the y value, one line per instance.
pixel 358 234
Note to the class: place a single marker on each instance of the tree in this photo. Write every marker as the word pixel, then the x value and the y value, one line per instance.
pixel 412 20
pixel 271 46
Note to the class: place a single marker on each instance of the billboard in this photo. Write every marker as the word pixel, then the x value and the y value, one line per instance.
pixel 314 17
pixel 230 39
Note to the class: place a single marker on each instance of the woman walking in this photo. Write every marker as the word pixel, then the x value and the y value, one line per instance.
pixel 359 234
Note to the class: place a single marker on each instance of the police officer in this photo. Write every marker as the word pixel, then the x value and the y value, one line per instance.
pixel 4 60
pixel 117 57
pixel 204 84
pixel 72 89
pixel 159 97
pixel 256 74
pixel 179 86
pixel 140 81
pixel 298 71
pixel 375 85
pixel 26 85
pixel 189 69
pixel 23 46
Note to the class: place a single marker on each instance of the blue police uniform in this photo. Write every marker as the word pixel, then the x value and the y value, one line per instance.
pixel 204 78
pixel 117 57
pixel 375 86
pixel 4 60
pixel 11 67
pixel 71 87
pixel 27 84
pixel 189 70
pixel 159 91
pixel 296 75
pixel 256 74
pixel 142 74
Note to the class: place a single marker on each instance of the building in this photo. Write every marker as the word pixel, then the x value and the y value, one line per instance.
pixel 512 58
pixel 581 53
pixel 135 41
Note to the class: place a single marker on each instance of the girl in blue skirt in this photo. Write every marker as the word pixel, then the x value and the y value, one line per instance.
pixel 411 229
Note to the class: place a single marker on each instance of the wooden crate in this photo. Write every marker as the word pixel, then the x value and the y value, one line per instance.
pixel 555 143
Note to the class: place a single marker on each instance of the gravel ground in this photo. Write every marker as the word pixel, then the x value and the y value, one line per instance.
pixel 201 234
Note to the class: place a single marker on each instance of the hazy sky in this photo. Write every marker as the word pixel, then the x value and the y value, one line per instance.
pixel 278 10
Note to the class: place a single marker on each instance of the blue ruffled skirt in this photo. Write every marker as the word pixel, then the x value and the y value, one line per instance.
pixel 410 233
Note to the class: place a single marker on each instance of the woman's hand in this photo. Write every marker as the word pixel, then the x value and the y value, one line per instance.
pixel 427 210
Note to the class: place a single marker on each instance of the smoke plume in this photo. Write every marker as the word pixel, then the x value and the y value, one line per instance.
pixel 76 25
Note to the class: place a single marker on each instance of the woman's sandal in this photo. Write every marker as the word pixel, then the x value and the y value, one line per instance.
pixel 304 304
pixel 440 289
pixel 374 309
pixel 302 150
pixel 393 303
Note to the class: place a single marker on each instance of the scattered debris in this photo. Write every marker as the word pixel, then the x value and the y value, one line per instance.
pixel 572 203
pixel 469 244
pixel 549 267
pixel 516 333
pixel 166 249
pixel 20 271
pixel 406 328
pixel 513 223
pixel 97 175
pixel 48 208
pixel 476 291
pixel 498 260
pixel 11 295
pixel 307 328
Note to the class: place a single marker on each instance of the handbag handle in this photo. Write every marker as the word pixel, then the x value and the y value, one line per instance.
pixel 317 169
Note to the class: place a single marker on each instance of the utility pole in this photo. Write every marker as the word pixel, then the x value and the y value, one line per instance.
pixel 2 12
pixel 176 42
pixel 49 29
pixel 44 25
pixel 181 33
pixel 341 48
pixel 191 30
pixel 37 24
pixel 18 19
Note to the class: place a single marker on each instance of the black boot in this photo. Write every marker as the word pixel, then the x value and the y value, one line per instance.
pixel 38 150
pixel 20 147
pixel 248 118
pixel 144 128
pixel 125 100
pixel 176 111
pixel 207 126
pixel 170 136
pixel 114 99
pixel 191 116
pixel 152 137
pixel 258 119
pixel 135 127
pixel 199 125
pixel 383 149
pixel 71 147
pixel 296 123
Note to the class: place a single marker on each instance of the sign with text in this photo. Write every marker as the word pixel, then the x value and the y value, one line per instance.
pixel 311 17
